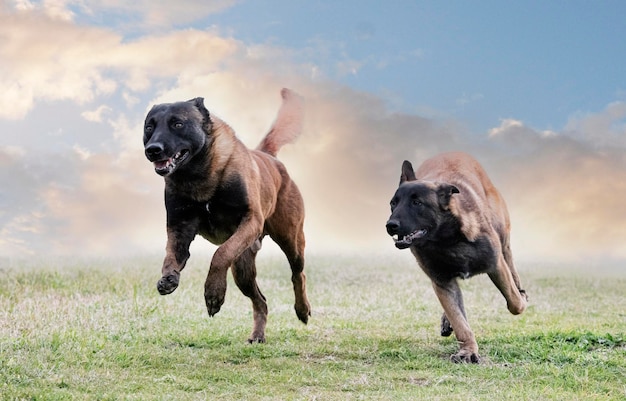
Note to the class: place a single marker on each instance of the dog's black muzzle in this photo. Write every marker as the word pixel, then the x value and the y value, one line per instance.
pixel 155 151
pixel 400 236
pixel 392 226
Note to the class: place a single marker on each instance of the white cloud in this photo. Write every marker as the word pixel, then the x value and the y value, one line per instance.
pixel 129 99
pixel 79 63
pixel 96 115
pixel 505 126
pixel 23 5
pixel 146 14
pixel 58 9
pixel 97 194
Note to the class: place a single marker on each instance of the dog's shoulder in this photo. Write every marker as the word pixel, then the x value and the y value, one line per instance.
pixel 478 206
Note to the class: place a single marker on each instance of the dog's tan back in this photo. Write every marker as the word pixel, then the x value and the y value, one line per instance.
pixel 479 203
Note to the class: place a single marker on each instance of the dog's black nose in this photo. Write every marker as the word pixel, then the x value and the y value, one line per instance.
pixel 392 227
pixel 154 151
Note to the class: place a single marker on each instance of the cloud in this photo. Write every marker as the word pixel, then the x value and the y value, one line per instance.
pixel 111 209
pixel 82 153
pixel 604 129
pixel 80 63
pixel 96 115
pixel 88 188
pixel 22 214
pixel 151 14
pixel 80 202
pixel 56 66
pixel 565 193
pixel 139 14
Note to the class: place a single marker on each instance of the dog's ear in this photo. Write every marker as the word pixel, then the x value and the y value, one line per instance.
pixel 407 172
pixel 199 103
pixel 206 120
pixel 444 193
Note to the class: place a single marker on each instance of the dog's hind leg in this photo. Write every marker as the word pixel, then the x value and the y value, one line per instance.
pixel 504 277
pixel 244 273
pixel 285 227
pixel 508 258
pixel 293 247
pixel 298 278
pixel 446 327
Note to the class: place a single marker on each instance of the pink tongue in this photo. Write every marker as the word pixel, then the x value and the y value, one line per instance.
pixel 160 164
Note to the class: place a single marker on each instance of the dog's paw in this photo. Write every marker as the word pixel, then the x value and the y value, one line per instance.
pixel 214 298
pixel 303 312
pixel 256 338
pixel 465 357
pixel 167 284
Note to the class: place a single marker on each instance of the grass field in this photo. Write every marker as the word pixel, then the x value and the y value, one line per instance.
pixel 98 330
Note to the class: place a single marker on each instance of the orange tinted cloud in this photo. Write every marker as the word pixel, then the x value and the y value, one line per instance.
pixel 565 188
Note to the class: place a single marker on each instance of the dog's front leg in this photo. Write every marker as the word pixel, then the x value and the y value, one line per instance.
pixel 249 230
pixel 451 299
pixel 180 233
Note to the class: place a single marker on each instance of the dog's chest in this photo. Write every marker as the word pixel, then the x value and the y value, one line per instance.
pixel 462 259
pixel 223 213
pixel 217 218
pixel 220 221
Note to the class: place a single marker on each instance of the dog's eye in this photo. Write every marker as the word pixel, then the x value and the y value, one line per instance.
pixel 148 129
pixel 177 125
pixel 392 203
pixel 417 203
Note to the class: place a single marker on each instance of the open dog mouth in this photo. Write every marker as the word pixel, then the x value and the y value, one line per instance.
pixel 407 240
pixel 167 166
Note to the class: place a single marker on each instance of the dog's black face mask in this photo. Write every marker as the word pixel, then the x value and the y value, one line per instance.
pixel 174 133
pixel 413 216
pixel 418 208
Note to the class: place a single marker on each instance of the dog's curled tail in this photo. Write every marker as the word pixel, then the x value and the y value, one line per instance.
pixel 288 123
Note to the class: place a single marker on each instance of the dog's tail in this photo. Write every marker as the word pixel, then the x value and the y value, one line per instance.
pixel 288 123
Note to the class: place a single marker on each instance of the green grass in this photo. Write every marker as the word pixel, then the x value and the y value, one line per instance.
pixel 98 330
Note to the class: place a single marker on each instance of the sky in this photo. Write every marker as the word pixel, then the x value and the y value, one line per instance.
pixel 534 90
